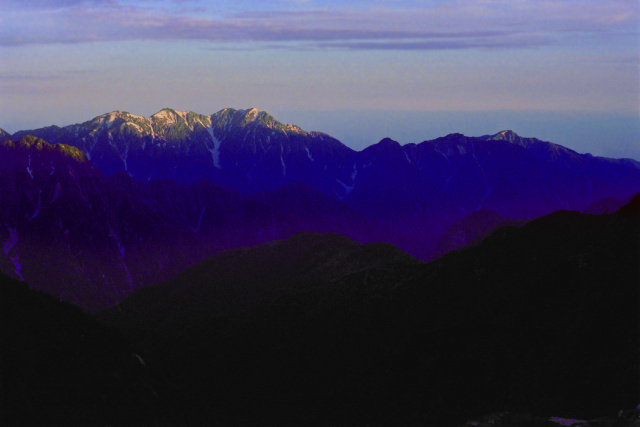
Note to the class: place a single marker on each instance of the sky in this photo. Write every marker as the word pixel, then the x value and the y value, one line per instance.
pixel 565 71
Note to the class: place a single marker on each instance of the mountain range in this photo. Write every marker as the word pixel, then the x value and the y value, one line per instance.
pixel 90 239
pixel 536 325
pixel 228 269
pixel 123 201
pixel 538 319
pixel 419 190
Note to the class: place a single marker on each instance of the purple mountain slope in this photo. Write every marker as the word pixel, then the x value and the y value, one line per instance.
pixel 472 229
pixel 416 190
pixel 246 149
pixel 89 239
pixel 606 205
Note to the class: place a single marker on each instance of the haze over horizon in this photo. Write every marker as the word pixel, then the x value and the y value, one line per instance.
pixel 462 249
pixel 565 71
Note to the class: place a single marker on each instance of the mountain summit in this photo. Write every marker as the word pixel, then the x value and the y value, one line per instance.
pixel 4 135
pixel 419 190
pixel 246 149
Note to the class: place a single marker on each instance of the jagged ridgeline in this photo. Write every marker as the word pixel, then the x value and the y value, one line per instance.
pixel 185 146
pixel 251 151
pixel 4 135
pixel 428 186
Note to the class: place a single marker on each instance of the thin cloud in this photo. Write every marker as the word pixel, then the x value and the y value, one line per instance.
pixel 440 44
pixel 487 24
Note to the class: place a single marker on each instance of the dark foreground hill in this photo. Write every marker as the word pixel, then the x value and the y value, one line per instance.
pixel 317 329
pixel 61 367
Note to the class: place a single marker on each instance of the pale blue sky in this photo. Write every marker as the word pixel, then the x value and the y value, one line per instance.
pixel 357 70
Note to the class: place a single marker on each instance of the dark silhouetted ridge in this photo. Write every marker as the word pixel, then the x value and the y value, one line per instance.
pixel 318 329
pixel 61 367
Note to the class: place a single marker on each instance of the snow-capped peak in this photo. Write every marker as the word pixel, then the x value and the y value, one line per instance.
pixel 165 115
pixel 169 115
pixel 507 135
pixel 252 114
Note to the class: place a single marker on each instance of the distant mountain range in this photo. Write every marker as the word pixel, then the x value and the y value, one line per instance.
pixel 91 239
pixel 250 151
pixel 184 232
pixel 123 201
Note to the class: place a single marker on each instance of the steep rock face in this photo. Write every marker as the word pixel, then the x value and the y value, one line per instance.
pixel 89 239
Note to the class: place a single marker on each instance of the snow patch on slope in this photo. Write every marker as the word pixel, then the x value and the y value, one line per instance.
pixel 215 151
pixel 167 116
pixel 407 156
pixel 17 266
pixel 252 114
pixel 309 154
pixel 347 188
pixel 144 119
pixel 11 242
pixel 56 192
pixel 111 118
pixel 8 245
pixel 123 156
pixel 136 126
pixel 199 220
pixel 37 210
pixel 29 167
pixel 443 154
pixel 184 115
pixel 284 166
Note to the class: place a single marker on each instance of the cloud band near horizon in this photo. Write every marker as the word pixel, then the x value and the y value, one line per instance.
pixel 423 25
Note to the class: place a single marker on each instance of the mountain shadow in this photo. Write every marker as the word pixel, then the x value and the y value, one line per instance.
pixel 541 319
pixel 61 367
